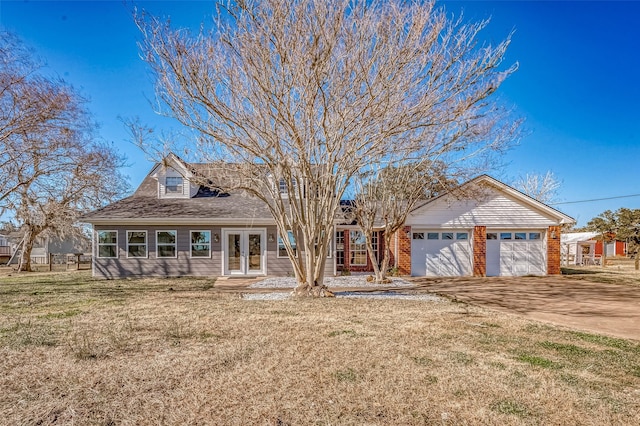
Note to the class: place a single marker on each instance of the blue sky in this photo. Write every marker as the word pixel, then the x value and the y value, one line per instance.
pixel 577 85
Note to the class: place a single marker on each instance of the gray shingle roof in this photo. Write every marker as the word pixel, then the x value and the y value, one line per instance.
pixel 145 204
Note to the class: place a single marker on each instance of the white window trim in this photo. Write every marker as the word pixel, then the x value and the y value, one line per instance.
pixel 146 244
pixel 98 244
pixel 180 187
pixel 191 256
pixel 278 248
pixel 366 254
pixel 335 236
pixel 175 244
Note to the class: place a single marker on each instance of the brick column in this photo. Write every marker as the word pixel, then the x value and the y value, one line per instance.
pixel 347 251
pixel 404 251
pixel 553 250
pixel 480 251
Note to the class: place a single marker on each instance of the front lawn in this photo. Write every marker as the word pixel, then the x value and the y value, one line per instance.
pixel 178 351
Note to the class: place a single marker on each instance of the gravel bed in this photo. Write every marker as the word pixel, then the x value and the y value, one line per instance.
pixel 351 295
pixel 266 296
pixel 391 295
pixel 331 282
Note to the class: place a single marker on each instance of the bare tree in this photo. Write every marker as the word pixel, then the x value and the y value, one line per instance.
pixel 541 187
pixel 296 98
pixel 385 198
pixel 52 168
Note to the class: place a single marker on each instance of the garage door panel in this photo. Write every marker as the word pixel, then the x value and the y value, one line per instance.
pixel 511 257
pixel 441 257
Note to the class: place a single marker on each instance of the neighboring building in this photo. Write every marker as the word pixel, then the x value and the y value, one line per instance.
pixel 5 250
pixel 171 226
pixel 579 248
pixel 43 247
pixel 614 248
pixel 585 248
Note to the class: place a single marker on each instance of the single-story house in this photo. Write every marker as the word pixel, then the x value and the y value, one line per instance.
pixel 172 226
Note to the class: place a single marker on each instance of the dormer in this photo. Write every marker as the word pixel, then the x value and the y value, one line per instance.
pixel 281 185
pixel 174 178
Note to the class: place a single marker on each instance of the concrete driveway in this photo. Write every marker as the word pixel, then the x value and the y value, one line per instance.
pixel 611 309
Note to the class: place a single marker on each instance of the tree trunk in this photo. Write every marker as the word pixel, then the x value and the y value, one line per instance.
pixel 378 273
pixel 27 248
pixel 311 283
pixel 636 262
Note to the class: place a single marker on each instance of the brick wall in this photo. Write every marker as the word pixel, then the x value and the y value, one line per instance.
pixel 404 251
pixel 480 251
pixel 553 250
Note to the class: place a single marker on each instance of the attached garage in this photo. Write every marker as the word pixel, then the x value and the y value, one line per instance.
pixel 516 253
pixel 486 228
pixel 436 253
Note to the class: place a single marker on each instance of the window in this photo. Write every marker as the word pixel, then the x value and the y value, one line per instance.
pixel 107 244
pixel 166 244
pixel 505 235
pixel 534 235
pixel 492 235
pixel 433 236
pixel 282 252
pixel 328 247
pixel 374 241
pixel 521 235
pixel 200 243
pixel 357 249
pixel 418 235
pixel 136 243
pixel 339 247
pixel 173 185
pixel 282 186
pixel 447 235
pixel 462 236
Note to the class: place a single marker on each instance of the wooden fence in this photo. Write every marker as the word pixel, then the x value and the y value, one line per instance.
pixel 69 261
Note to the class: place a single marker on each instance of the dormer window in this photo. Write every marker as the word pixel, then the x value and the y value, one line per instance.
pixel 173 185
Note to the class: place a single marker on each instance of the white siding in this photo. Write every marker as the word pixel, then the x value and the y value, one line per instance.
pixel 188 190
pixel 493 210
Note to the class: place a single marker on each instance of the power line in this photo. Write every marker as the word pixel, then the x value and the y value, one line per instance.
pixel 596 199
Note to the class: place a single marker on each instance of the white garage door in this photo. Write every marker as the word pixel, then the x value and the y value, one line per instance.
pixel 516 253
pixel 441 253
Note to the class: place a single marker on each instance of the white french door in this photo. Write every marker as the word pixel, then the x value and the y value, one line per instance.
pixel 244 251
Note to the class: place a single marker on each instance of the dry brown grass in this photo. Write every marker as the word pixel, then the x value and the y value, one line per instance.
pixel 619 270
pixel 73 350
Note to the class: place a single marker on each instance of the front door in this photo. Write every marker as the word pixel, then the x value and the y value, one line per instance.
pixel 244 252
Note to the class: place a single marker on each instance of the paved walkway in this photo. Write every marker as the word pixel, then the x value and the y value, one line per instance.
pixel 611 309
